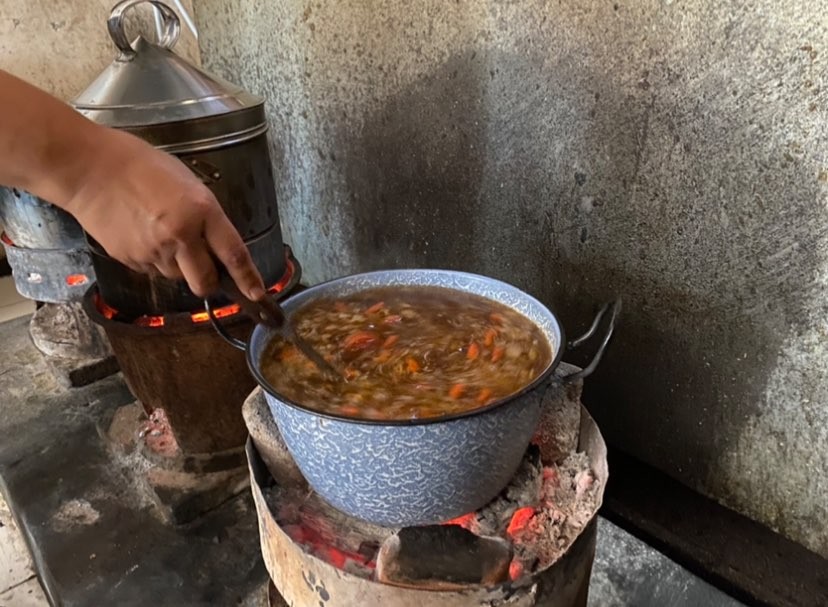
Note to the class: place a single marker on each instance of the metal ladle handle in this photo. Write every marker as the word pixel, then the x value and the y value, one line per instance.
pixel 115 25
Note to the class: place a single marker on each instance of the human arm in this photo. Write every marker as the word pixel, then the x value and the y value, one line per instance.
pixel 142 205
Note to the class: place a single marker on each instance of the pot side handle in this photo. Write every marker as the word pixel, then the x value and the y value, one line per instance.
pixel 615 309
pixel 224 333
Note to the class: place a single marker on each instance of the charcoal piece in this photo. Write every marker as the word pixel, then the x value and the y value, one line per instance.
pixel 76 373
pixel 442 557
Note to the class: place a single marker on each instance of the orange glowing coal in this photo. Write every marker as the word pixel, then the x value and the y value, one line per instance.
pixel 150 321
pixel 515 569
pixel 339 558
pixel 315 543
pixel 74 280
pixel 109 312
pixel 466 521
pixel 223 312
pixel 520 520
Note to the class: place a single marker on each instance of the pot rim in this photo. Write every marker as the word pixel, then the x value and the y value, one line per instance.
pixel 541 378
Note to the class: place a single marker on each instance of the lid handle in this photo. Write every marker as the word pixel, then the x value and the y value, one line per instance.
pixel 115 24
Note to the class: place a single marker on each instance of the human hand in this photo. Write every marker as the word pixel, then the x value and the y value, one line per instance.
pixel 149 211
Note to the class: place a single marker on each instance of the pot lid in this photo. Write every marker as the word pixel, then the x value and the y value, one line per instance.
pixel 149 84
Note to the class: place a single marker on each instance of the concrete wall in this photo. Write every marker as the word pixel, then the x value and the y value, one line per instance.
pixel 61 45
pixel 673 153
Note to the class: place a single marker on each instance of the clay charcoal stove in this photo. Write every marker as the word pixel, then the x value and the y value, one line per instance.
pixel 184 434
pixel 532 545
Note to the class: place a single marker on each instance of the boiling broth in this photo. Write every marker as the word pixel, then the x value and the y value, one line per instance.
pixel 407 352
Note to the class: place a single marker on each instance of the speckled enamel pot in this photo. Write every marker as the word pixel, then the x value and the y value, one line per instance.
pixel 413 472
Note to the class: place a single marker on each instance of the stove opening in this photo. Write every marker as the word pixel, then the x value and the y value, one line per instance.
pixel 525 529
pixel 201 316
pixel 74 280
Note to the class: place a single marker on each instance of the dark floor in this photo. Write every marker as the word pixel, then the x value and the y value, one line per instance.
pixel 630 573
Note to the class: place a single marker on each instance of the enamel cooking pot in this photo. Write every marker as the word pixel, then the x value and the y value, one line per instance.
pixel 423 471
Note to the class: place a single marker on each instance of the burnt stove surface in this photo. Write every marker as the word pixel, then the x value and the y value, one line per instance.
pixel 96 537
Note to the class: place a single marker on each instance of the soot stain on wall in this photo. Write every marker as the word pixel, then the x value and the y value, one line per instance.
pixel 664 153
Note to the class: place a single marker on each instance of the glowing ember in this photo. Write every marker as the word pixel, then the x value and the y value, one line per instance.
pixel 515 569
pixel 157 435
pixel 285 280
pixel 520 520
pixel 6 239
pixel 466 521
pixel 223 312
pixel 106 311
pixel 74 280
pixel 150 321
pixel 321 547
pixel 196 317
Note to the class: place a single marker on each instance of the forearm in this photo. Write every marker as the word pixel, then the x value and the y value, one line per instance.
pixel 45 145
pixel 145 207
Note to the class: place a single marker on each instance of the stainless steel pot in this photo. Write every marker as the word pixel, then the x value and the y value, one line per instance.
pixel 214 127
pixel 416 472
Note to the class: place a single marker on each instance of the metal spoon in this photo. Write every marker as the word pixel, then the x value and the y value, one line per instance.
pixel 268 312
